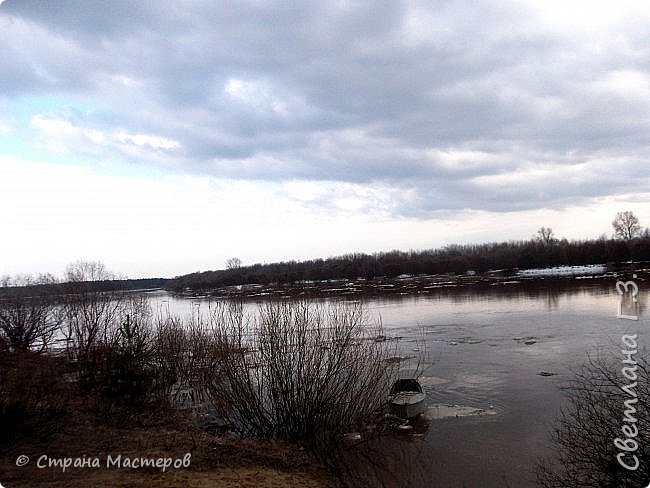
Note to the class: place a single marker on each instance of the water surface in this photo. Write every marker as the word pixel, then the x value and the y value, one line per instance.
pixel 483 349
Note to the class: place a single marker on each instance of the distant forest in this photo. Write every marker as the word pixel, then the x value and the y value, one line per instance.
pixel 480 258
pixel 56 287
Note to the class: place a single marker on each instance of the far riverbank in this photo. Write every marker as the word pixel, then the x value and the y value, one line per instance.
pixel 561 277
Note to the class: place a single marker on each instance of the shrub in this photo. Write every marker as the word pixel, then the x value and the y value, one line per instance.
pixel 298 372
pixel 115 368
pixel 33 394
pixel 27 323
pixel 128 378
pixel 585 454
pixel 185 355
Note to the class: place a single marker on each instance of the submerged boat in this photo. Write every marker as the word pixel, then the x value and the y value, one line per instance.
pixel 406 398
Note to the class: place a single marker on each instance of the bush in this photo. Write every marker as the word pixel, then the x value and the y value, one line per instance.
pixel 585 454
pixel 127 376
pixel 185 355
pixel 299 372
pixel 27 323
pixel 33 394
pixel 115 369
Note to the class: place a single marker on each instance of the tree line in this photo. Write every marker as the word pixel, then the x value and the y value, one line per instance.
pixel 533 253
pixel 543 250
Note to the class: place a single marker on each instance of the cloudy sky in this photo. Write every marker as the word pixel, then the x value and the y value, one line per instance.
pixel 165 137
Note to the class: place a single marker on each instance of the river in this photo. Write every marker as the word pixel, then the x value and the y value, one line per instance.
pixel 482 351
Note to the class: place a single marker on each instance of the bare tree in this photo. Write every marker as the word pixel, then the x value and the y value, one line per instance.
pixel 90 316
pixel 626 226
pixel 30 315
pixel 233 263
pixel 28 323
pixel 545 235
pixel 598 412
pixel 81 271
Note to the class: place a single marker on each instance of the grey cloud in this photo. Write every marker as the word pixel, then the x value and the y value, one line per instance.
pixel 344 92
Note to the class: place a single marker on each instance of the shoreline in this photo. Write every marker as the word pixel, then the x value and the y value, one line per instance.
pixel 416 285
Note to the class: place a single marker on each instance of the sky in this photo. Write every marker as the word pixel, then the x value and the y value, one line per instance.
pixel 163 138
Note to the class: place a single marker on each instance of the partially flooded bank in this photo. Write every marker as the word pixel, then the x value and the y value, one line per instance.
pixel 491 360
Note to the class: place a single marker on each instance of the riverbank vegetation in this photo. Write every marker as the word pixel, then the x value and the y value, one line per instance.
pixel 302 373
pixel 295 372
pixel 602 435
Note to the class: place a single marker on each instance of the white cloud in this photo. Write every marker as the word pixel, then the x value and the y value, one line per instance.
pixel 305 191
pixel 60 136
pixel 255 95
pixel 155 142
pixel 632 84
pixel 54 127
pixel 587 16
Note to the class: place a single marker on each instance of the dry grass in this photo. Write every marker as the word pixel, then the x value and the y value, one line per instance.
pixel 216 461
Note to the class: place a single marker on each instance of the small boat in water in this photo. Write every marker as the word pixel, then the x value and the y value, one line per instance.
pixel 406 398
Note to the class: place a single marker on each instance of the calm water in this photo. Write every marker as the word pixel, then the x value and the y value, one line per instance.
pixel 484 348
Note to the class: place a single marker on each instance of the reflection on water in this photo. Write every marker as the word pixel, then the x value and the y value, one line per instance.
pixel 496 356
